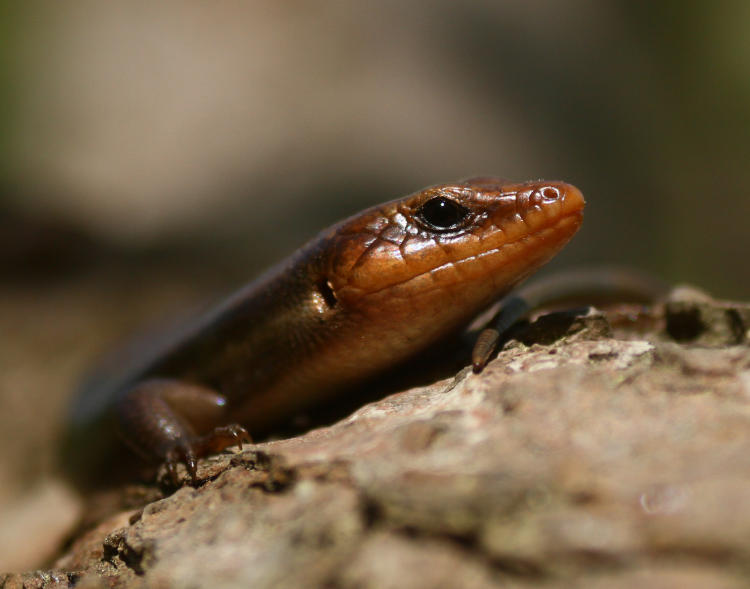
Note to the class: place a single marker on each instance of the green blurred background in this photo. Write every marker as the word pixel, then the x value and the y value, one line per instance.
pixel 153 155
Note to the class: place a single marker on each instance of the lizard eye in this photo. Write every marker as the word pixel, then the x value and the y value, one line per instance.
pixel 442 213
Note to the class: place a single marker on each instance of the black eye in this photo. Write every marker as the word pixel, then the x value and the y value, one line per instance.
pixel 442 213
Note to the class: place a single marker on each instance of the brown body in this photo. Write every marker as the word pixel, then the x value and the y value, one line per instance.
pixel 365 294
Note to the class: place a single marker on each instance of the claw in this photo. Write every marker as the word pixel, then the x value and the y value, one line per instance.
pixel 188 453
pixel 483 348
pixel 239 434
pixel 173 458
pixel 182 454
pixel 191 463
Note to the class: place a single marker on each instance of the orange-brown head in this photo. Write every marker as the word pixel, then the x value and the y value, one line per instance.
pixel 447 251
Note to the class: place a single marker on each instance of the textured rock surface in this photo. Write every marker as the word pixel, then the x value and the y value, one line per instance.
pixel 612 456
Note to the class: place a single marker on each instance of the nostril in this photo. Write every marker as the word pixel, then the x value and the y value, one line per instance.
pixel 550 193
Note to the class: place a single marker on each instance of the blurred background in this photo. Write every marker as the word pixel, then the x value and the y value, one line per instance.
pixel 154 155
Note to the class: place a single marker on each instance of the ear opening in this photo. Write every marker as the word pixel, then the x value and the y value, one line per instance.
pixel 326 291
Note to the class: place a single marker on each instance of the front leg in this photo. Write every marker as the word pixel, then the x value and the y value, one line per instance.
pixel 173 421
pixel 592 285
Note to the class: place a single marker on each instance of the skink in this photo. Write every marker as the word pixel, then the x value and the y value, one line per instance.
pixel 362 296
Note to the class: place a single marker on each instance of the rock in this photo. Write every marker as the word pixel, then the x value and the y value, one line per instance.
pixel 692 316
pixel 595 458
